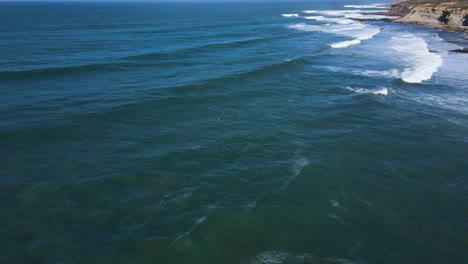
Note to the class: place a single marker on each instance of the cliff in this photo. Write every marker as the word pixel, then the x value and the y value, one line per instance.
pixel 444 14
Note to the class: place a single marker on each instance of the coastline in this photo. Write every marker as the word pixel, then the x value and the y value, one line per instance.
pixel 450 16
pixel 434 15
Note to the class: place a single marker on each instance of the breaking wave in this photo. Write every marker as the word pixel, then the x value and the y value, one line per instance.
pixel 343 23
pixel 345 44
pixel 421 64
pixel 337 12
pixel 357 31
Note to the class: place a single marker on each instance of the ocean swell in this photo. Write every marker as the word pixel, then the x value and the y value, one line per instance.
pixel 357 31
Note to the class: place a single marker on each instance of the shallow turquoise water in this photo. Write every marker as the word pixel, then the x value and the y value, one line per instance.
pixel 229 133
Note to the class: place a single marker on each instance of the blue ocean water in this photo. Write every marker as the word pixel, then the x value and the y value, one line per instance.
pixel 230 133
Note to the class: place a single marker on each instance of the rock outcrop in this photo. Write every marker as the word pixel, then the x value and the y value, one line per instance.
pixel 400 9
pixel 450 15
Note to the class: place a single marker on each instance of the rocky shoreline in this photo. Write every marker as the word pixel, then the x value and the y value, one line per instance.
pixel 450 15
pixel 460 51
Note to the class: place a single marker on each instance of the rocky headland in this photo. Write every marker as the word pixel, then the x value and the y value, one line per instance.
pixel 451 14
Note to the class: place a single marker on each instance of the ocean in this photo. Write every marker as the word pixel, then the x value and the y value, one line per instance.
pixel 250 133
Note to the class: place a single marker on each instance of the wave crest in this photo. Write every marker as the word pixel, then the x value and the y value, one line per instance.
pixel 421 63
pixel 345 44
pixel 357 31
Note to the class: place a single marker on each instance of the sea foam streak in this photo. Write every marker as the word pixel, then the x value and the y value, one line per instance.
pixel 337 12
pixel 342 21
pixel 282 257
pixel 318 18
pixel 351 14
pixel 297 168
pixel 422 63
pixel 369 16
pixel 380 91
pixel 393 73
pixel 366 6
pixel 290 15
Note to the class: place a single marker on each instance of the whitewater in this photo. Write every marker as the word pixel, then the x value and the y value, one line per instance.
pixel 419 63
pixel 240 133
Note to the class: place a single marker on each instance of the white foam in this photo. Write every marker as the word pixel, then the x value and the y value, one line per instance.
pixel 342 21
pixel 309 11
pixel 379 91
pixel 438 38
pixel 393 73
pixel 319 18
pixel 421 63
pixel 270 257
pixel 368 16
pixel 354 26
pixel 305 27
pixel 290 15
pixel 383 91
pixel 366 33
pixel 376 6
pixel 337 12
pixel 280 257
pixel 345 44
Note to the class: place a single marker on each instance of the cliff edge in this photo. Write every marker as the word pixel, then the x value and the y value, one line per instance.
pixel 451 15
